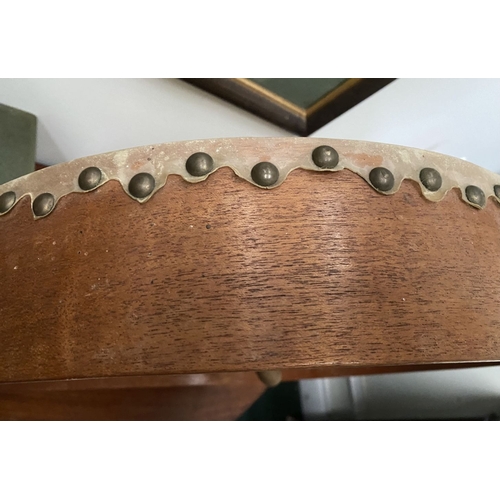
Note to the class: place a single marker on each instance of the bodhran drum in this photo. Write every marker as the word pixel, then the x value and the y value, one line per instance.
pixel 248 255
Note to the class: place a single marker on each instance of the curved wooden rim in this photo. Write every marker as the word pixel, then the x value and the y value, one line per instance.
pixel 221 276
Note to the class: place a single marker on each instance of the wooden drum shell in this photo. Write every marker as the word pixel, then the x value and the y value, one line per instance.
pixel 221 275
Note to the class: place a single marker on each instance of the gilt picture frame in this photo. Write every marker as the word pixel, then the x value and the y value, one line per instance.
pixel 298 105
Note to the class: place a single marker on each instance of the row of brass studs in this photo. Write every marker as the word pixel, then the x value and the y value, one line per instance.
pixel 267 174
pixel 264 174
pixel 383 180
pixel 140 186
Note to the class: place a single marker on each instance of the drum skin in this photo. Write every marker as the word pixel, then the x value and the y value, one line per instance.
pixel 222 275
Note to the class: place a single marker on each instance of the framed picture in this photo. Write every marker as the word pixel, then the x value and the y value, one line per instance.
pixel 299 105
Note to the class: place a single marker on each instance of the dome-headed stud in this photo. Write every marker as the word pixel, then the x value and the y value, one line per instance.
pixel 325 157
pixel 431 179
pixel 43 204
pixel 382 179
pixel 89 178
pixel 7 201
pixel 475 195
pixel 199 164
pixel 141 185
pixel 265 174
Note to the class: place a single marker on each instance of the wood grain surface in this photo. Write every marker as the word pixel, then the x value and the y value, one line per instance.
pixel 223 276
pixel 225 402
